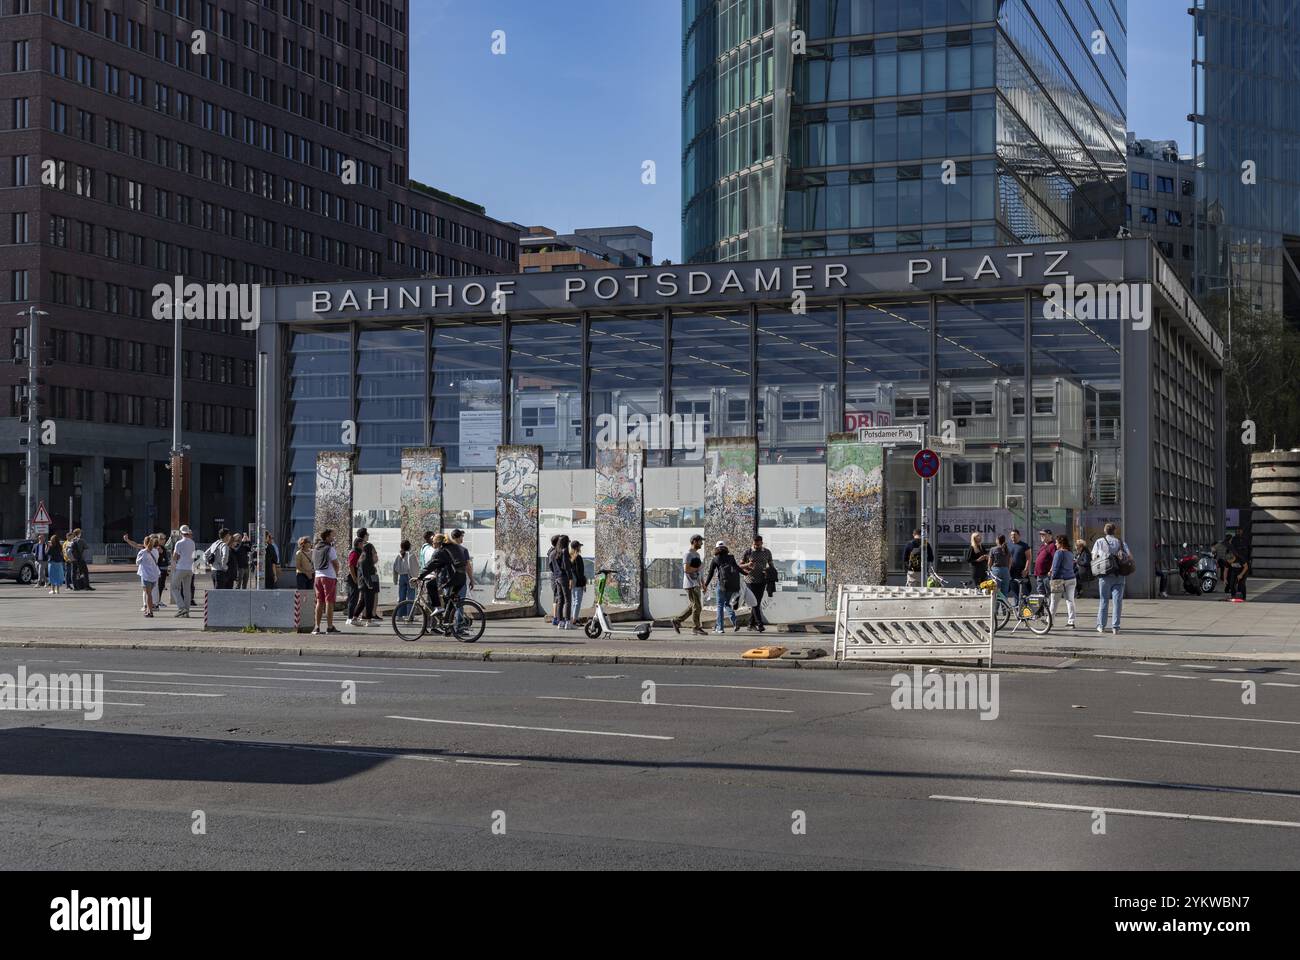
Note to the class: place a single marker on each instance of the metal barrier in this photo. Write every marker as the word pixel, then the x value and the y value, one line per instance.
pixel 912 623
pixel 265 609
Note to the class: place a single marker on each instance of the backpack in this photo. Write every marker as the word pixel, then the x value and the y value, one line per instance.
pixel 731 578
pixel 914 559
pixel 210 555
pixel 320 556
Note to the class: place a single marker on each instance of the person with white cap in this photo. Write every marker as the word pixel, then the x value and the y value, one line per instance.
pixel 183 571
pixel 728 571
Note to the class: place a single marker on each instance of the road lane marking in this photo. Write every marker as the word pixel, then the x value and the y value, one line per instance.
pixel 1276 684
pixel 1200 716
pixel 741 686
pixel 191 683
pixel 512 726
pixel 1226 680
pixel 222 676
pixel 1150 663
pixel 1161 814
pixel 1132 673
pixel 352 673
pixel 693 706
pixel 312 663
pixel 106 703
pixel 1193 743
pixel 166 693
pixel 1159 783
pixel 1178 676
pixel 1095 669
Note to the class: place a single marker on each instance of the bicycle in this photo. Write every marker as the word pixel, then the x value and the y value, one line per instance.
pixel 1032 611
pixel 412 619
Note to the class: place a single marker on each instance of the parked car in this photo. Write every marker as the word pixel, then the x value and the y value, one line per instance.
pixel 18 560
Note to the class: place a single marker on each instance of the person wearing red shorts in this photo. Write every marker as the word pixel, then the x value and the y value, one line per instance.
pixel 326 561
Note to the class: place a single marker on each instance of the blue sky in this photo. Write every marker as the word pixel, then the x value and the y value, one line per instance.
pixel 555 131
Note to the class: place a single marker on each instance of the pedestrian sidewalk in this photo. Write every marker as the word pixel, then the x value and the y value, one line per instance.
pixel 1266 628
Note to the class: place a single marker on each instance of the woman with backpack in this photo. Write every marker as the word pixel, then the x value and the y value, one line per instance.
pixel 1063 579
pixel 728 571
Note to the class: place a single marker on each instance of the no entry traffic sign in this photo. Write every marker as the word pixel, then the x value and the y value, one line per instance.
pixel 926 464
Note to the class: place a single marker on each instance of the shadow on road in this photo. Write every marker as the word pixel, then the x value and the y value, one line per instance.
pixel 44 752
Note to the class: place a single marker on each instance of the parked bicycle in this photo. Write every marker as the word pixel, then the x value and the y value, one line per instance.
pixel 412 619
pixel 1033 611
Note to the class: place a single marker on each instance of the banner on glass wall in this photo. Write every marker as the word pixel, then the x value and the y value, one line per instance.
pixel 855 514
pixel 516 523
pixel 480 433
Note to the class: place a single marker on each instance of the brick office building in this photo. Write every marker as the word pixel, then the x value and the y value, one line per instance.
pixel 226 166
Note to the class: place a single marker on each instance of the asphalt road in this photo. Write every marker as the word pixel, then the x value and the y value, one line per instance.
pixel 573 770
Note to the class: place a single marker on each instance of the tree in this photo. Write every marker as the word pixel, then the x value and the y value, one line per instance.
pixel 1262 380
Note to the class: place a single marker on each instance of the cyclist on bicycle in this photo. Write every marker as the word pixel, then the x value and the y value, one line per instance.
pixel 445 573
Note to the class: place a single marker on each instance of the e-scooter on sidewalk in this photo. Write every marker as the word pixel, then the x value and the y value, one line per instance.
pixel 599 626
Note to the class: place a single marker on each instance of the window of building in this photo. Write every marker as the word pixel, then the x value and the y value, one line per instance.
pixel 966 473
pixel 1164 184
pixel 1150 215
pixel 1141 181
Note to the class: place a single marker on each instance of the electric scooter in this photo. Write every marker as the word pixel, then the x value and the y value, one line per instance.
pixel 599 624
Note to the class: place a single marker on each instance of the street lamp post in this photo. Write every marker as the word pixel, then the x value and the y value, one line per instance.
pixel 33 405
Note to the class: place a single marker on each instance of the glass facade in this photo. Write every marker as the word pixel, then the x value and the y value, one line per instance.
pixel 952 362
pixel 1248 234
pixel 904 125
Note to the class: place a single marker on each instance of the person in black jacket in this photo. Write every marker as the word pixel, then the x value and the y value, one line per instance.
pixel 728 571
pixel 757 564
pixel 977 555
pixel 447 567
pixel 579 582
pixel 562 582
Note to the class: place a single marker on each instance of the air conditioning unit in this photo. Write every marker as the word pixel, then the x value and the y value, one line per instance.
pixel 1015 503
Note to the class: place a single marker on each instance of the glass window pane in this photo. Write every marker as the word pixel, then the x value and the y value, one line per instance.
pixel 390 396
pixel 319 401
pixel 626 382
pixel 467 393
pixel 710 366
pixel 546 388
pixel 797 373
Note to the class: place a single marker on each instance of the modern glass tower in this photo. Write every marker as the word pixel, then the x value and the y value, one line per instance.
pixel 824 127
pixel 1248 233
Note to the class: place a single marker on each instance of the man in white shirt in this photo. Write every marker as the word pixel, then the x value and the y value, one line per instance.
pixel 326 561
pixel 1106 555
pixel 183 571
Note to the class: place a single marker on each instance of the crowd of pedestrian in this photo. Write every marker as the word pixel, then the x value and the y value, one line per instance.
pixel 568 570
pixel 1056 570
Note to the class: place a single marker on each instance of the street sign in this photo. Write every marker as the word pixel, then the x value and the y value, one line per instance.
pixel 42 515
pixel 926 464
pixel 948 448
pixel 908 434
pixel 39 528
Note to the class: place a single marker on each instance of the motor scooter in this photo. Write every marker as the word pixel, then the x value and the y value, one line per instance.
pixel 1199 571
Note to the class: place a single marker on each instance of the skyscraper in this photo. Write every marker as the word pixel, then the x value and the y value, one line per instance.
pixel 823 127
pixel 213 140
pixel 1248 145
